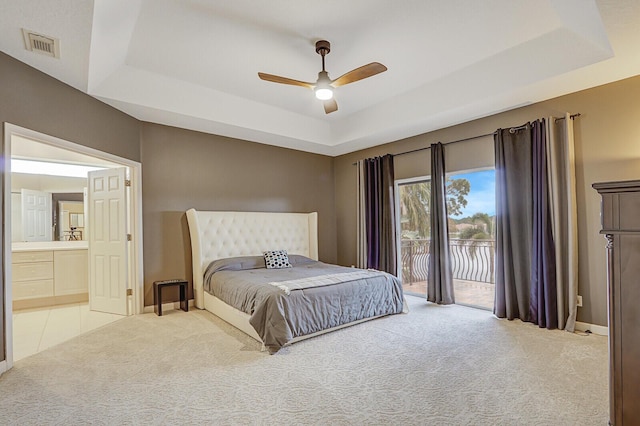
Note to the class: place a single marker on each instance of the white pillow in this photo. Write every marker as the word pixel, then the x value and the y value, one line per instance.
pixel 276 259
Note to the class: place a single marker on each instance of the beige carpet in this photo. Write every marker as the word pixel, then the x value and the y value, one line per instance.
pixel 435 366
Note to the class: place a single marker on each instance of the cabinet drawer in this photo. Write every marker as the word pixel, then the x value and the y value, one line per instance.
pixel 32 289
pixel 32 271
pixel 31 256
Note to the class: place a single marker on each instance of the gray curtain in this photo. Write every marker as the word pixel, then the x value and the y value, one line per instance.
pixel 361 231
pixel 376 214
pixel 514 222
pixel 440 282
pixel 543 307
pixel 562 187
pixel 526 285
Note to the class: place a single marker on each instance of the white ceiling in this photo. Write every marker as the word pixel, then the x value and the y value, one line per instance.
pixel 194 63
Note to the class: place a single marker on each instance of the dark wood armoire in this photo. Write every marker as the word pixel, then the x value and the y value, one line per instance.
pixel 621 226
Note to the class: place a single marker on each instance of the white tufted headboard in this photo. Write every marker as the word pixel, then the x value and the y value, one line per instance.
pixel 216 235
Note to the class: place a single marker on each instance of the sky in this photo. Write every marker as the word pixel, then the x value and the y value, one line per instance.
pixel 481 197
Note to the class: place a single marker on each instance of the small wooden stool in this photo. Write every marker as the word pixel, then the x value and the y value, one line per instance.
pixel 157 294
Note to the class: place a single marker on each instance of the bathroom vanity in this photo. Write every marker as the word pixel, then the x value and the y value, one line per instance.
pixel 49 273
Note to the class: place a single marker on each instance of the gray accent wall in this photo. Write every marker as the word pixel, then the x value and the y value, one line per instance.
pixel 32 99
pixel 180 169
pixel 607 145
pixel 183 169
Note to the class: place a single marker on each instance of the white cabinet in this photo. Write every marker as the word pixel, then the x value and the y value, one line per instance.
pixel 49 277
pixel 71 272
pixel 32 274
pixel 32 256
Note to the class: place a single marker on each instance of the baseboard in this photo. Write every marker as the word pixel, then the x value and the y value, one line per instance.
pixel 3 367
pixel 580 326
pixel 166 306
pixel 595 329
pixel 42 302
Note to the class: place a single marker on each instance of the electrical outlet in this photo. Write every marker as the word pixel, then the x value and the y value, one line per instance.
pixel 579 301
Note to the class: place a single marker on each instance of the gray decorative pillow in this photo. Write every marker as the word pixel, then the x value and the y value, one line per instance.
pixel 276 259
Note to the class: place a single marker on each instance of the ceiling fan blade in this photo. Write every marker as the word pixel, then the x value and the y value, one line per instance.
pixel 330 105
pixel 359 73
pixel 285 80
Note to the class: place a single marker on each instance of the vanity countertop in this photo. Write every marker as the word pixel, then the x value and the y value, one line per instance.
pixel 49 245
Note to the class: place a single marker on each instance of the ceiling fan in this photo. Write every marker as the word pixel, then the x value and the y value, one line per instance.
pixel 324 85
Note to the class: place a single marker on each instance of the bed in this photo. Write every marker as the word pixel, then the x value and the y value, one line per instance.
pixel 231 245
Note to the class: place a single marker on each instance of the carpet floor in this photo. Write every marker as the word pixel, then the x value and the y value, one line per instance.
pixel 437 365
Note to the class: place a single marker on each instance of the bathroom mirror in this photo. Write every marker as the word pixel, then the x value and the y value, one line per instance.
pixel 70 220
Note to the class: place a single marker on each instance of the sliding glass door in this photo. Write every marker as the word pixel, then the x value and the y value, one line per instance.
pixel 413 205
pixel 472 240
pixel 471 209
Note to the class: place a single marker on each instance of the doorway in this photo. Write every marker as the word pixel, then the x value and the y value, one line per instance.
pixel 61 151
pixel 471 215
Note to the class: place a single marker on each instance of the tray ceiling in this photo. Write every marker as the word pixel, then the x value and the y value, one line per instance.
pixel 194 63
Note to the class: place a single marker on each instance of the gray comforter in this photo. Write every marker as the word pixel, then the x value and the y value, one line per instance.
pixel 278 317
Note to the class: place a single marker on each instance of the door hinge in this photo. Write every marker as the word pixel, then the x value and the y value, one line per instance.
pixel 129 292
pixel 128 237
pixel 127 182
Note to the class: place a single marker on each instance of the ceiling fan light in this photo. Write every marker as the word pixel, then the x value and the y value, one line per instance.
pixel 324 94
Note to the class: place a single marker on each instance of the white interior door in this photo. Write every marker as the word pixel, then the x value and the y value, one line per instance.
pixel 63 220
pixel 107 230
pixel 36 215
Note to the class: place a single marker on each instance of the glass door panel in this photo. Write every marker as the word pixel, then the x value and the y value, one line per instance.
pixel 414 235
pixel 471 209
pixel 472 240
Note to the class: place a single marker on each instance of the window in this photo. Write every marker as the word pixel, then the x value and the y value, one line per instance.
pixel 472 238
pixel 413 205
pixel 471 209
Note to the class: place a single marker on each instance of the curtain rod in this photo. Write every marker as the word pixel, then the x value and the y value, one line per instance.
pixel 572 116
pixel 444 143
pixel 512 129
pixel 524 126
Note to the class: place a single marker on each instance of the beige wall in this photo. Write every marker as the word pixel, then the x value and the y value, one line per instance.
pixel 183 169
pixel 31 99
pixel 607 148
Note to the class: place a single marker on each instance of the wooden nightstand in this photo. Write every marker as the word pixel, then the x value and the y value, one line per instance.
pixel 157 294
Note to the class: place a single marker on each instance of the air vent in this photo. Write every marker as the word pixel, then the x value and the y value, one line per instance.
pixel 43 44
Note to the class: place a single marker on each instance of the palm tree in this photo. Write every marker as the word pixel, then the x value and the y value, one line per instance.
pixel 415 216
pixel 414 208
pixel 414 205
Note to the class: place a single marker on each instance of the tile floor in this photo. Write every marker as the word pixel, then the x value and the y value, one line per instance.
pixel 35 330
